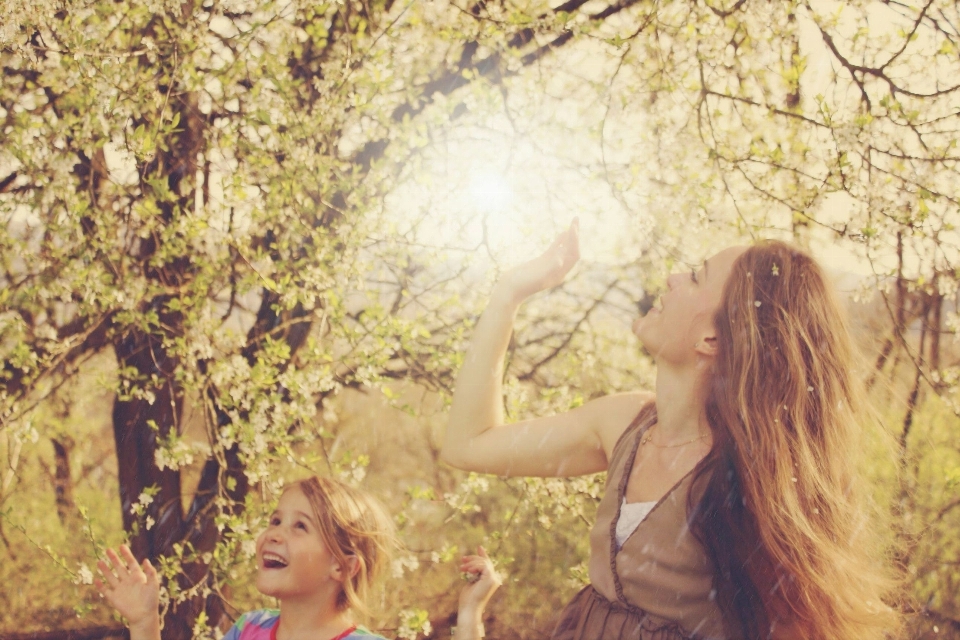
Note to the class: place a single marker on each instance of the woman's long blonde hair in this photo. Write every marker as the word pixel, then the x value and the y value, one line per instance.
pixel 782 510
pixel 353 524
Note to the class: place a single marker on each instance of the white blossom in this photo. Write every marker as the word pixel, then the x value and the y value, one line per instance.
pixel 84 575
pixel 413 622
pixel 406 563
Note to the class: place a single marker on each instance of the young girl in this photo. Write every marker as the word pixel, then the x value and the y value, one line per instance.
pixel 323 546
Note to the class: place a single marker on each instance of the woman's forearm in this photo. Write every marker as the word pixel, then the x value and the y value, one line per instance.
pixel 473 441
pixel 478 394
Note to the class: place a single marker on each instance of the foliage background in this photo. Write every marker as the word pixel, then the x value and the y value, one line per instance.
pixel 237 246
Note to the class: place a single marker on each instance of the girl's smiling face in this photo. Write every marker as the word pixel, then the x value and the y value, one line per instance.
pixel 292 560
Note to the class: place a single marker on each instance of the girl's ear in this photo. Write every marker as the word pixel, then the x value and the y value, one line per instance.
pixel 342 572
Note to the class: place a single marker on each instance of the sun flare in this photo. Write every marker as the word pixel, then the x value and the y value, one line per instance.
pixel 490 191
pixel 507 196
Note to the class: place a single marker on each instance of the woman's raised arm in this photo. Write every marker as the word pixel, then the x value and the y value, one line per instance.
pixel 477 439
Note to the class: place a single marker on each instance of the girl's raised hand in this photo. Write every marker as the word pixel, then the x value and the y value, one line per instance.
pixel 546 270
pixel 132 589
pixel 475 595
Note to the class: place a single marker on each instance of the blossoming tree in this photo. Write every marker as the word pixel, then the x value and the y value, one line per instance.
pixel 200 191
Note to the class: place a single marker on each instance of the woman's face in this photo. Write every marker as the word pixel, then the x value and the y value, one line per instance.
pixel 684 314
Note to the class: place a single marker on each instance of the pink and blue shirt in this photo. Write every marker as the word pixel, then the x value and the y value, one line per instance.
pixel 263 623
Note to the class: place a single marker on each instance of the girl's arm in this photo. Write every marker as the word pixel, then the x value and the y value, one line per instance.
pixel 475 595
pixel 133 590
pixel 568 444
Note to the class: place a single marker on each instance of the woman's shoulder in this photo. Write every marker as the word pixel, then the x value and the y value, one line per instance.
pixel 618 412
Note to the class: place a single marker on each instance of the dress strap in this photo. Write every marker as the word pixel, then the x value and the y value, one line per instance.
pixel 345 633
pixel 628 446
pixel 624 446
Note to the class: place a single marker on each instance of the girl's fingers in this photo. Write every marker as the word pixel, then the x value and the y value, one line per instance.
pixel 479 564
pixel 481 557
pixel 476 564
pixel 148 570
pixel 130 562
pixel 123 567
pixel 108 574
pixel 118 564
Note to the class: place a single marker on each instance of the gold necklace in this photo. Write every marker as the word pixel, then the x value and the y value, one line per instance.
pixel 648 437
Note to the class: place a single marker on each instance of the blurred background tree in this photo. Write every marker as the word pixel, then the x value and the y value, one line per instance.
pixel 245 239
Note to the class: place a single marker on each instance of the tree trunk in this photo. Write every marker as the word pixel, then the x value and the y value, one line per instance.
pixel 62 480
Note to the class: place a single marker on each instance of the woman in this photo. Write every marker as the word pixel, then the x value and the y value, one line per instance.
pixel 732 509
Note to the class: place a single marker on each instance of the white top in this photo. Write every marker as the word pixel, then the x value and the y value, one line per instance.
pixel 631 515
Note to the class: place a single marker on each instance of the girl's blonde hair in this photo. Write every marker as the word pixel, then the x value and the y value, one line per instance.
pixel 353 524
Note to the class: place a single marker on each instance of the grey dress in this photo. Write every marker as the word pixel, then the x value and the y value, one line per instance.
pixel 659 584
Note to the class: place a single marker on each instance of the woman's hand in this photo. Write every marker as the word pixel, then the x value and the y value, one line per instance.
pixel 133 590
pixel 546 270
pixel 475 595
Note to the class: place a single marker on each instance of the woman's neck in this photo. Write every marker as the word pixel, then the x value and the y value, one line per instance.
pixel 312 620
pixel 680 404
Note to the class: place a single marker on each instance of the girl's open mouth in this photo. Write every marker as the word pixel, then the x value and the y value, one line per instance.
pixel 273 561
